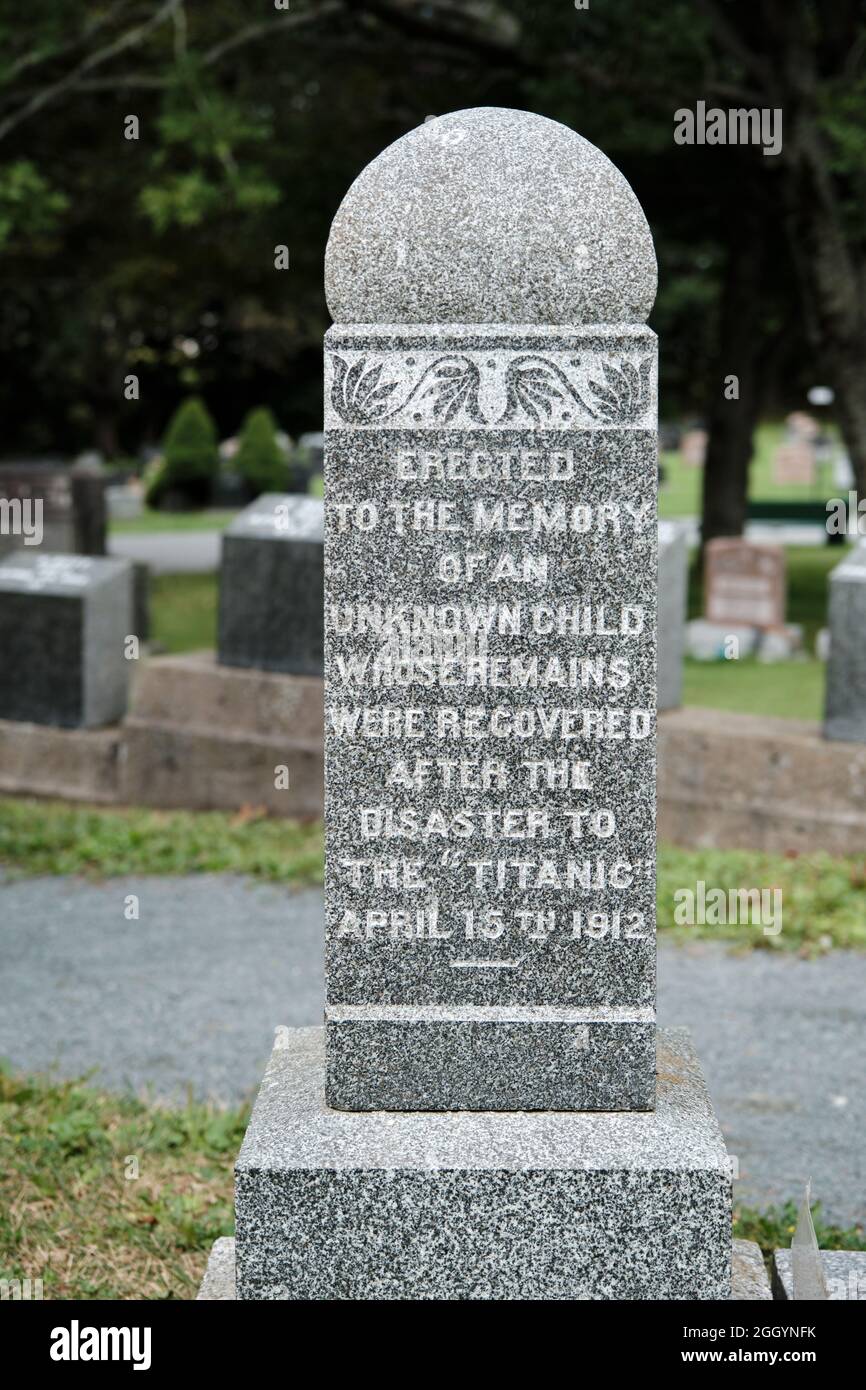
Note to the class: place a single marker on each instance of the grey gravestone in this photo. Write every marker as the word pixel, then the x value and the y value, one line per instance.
pixel 270 605
pixel 673 592
pixel 63 624
pixel 490 775
pixel 845 710
pixel 72 502
pixel 308 459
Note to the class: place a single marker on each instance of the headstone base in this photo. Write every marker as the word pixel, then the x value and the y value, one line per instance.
pixel 750 1282
pixel 346 1205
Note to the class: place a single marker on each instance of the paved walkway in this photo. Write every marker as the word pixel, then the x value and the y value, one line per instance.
pixel 170 552
pixel 192 991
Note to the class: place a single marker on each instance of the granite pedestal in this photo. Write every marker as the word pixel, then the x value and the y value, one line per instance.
pixel 337 1205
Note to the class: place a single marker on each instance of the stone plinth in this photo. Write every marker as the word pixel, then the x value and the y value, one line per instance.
pixel 212 737
pixel 335 1205
pixel 748 781
pixel 270 605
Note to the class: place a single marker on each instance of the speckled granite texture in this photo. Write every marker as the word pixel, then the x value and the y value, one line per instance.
pixel 490 636
pixel 490 216
pixel 335 1205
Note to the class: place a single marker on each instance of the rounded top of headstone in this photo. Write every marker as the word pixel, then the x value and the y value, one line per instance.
pixel 490 216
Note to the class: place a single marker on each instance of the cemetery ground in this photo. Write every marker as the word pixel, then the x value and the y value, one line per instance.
pixel 74 1212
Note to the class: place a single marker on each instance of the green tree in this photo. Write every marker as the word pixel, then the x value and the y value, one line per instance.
pixel 260 461
pixel 189 458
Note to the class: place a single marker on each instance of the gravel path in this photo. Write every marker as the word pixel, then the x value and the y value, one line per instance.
pixel 191 992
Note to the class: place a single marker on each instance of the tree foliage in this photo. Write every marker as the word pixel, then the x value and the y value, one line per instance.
pixel 156 255
pixel 260 461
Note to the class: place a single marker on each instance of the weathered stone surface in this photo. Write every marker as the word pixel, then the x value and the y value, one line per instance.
pixel 490 706
pixel 799 791
pixel 218 1284
pixel 338 1205
pixel 213 737
pixel 673 585
pixel 270 607
pixel 845 711
pixel 75 764
pixel 62 509
pixel 63 623
pixel 749 1278
pixel 844 1271
pixel 490 216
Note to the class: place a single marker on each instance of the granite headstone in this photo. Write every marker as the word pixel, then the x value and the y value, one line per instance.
pixel 845 709
pixel 744 583
pixel 64 620
pixel 490 673
pixel 270 600
pixel 490 622
pixel 673 594
pixel 71 506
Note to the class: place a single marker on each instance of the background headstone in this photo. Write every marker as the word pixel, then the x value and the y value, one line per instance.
pixel 693 447
pixel 744 583
pixel 672 603
pixel 73 505
pixel 63 624
pixel 845 706
pixel 794 464
pixel 270 599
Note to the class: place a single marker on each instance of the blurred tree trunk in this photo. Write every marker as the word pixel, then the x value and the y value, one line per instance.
pixel 808 62
pixel 833 283
pixel 731 423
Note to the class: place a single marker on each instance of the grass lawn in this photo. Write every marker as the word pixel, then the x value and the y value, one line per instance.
pixel 107 1197
pixel 823 898
pixel 56 837
pixel 680 494
pixel 183 611
pixel 209 519
pixel 787 689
